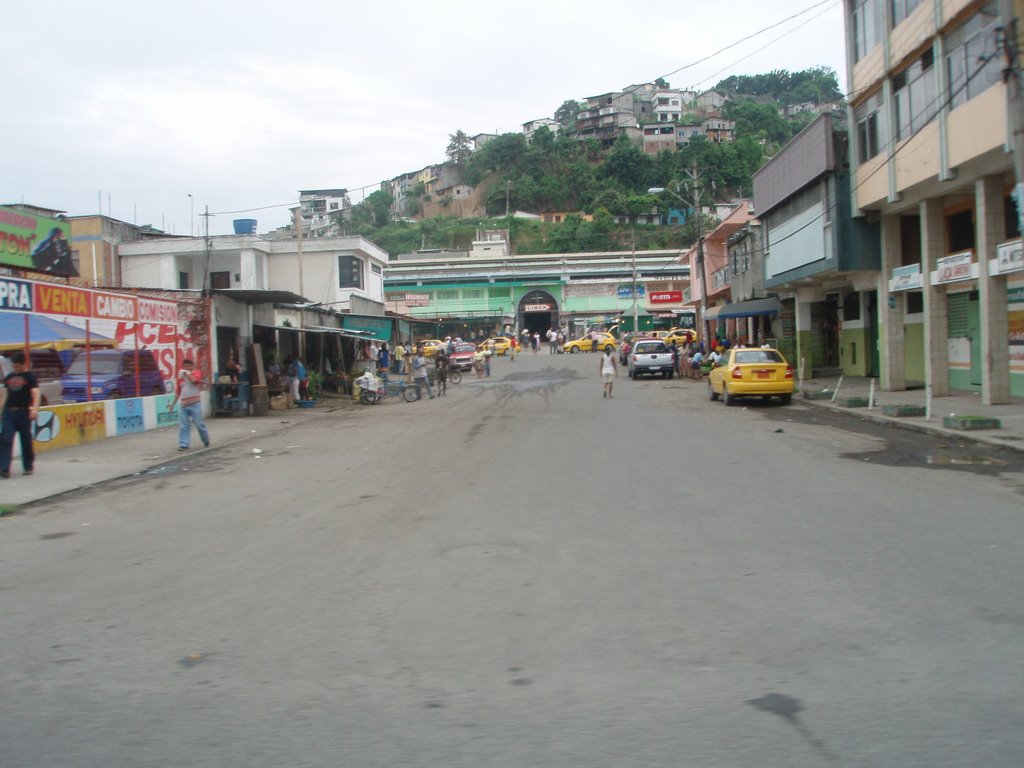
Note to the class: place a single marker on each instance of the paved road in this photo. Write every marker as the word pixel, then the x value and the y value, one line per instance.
pixel 524 574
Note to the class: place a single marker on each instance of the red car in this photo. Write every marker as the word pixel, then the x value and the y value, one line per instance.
pixel 462 356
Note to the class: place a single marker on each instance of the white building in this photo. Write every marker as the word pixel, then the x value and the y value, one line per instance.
pixel 319 208
pixel 345 273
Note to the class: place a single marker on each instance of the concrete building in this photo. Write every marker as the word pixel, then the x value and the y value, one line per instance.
pixel 820 261
pixel 319 209
pixel 95 244
pixel 932 163
pixel 530 127
pixel 481 293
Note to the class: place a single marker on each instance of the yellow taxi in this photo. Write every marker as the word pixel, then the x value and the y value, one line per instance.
pixel 751 372
pixel 497 345
pixel 431 346
pixel 586 344
pixel 679 336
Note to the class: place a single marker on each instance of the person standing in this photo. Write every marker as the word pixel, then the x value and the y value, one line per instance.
pixel 399 358
pixel 300 382
pixel 383 362
pixel 609 370
pixel 188 392
pixel 19 406
pixel 512 344
pixel 593 341
pixel 419 373
pixel 441 368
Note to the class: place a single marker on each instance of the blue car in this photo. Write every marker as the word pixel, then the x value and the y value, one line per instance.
pixel 107 374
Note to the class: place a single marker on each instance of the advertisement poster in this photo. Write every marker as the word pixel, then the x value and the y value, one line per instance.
pixel 69 425
pixel 35 242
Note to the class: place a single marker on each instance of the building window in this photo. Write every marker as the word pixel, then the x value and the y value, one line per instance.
pixel 867 27
pixel 183 281
pixel 220 279
pixel 960 229
pixel 915 96
pixel 871 138
pixel 972 59
pixel 376 269
pixel 350 272
pixel 902 8
pixel 915 302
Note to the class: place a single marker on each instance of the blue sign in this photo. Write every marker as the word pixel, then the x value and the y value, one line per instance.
pixel 128 416
pixel 626 291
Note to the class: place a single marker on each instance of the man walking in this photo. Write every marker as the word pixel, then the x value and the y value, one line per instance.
pixel 419 373
pixel 19 406
pixel 191 412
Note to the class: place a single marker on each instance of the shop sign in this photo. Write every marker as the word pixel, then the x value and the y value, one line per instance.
pixel 666 297
pixel 955 267
pixel 591 289
pixel 626 291
pixel 16 294
pixel 1009 257
pixel 537 307
pixel 410 299
pixel 114 306
pixel 906 278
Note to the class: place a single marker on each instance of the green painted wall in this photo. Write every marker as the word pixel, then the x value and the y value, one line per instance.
pixel 804 352
pixel 913 353
pixel 960 378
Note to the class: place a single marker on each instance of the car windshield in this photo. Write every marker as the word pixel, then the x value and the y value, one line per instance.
pixel 463 348
pixel 101 366
pixel 758 356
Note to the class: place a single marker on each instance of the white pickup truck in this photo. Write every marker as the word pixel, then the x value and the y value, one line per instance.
pixel 651 356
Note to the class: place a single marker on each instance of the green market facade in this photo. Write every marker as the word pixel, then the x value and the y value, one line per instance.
pixel 473 298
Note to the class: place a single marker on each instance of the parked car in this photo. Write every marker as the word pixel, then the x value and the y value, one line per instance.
pixel 751 372
pixel 430 346
pixel 650 357
pixel 461 357
pixel 586 344
pixel 48 367
pixel 109 374
pixel 680 336
pixel 498 345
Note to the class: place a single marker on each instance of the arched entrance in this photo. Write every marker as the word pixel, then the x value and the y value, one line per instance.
pixel 538 311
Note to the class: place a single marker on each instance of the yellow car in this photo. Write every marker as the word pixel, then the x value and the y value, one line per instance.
pixel 679 336
pixel 586 344
pixel 431 346
pixel 751 372
pixel 498 345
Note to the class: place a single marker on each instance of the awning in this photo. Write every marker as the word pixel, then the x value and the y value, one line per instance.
pixel 340 331
pixel 711 313
pixel 378 328
pixel 753 308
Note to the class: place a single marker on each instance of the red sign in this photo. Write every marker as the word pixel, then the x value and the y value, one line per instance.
pixel 665 297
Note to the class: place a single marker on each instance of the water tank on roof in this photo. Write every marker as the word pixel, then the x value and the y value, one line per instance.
pixel 245 226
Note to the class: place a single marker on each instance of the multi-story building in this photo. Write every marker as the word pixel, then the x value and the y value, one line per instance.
pixel 668 106
pixel 820 262
pixel 95 241
pixel 659 137
pixel 319 209
pixel 932 163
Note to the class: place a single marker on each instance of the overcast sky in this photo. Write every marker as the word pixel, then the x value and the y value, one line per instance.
pixel 141 104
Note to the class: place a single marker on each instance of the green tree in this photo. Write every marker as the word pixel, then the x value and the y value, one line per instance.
pixel 459 147
pixel 566 114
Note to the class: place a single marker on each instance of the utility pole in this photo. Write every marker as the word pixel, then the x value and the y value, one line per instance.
pixel 697 193
pixel 1014 99
pixel 636 329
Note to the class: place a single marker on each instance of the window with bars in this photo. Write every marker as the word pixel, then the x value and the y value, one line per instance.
pixel 448 295
pixel 472 293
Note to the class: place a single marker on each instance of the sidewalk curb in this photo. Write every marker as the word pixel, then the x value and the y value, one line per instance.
pixel 921 428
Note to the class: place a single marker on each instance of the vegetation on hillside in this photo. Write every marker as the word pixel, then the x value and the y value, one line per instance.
pixel 559 173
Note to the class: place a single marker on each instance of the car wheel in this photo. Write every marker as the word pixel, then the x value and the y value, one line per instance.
pixel 726 397
pixel 786 399
pixel 609 348
pixel 504 352
pixel 366 397
pixel 573 350
pixel 712 395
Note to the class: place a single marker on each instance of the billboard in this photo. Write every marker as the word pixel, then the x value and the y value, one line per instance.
pixel 39 243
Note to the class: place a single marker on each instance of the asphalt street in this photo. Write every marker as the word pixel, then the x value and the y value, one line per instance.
pixel 523 573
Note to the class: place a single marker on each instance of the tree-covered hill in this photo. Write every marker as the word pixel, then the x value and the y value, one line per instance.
pixel 557 172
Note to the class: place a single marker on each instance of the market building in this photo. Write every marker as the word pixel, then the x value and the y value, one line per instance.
pixel 486 290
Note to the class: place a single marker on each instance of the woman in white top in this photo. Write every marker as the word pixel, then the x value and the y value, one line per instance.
pixel 609 370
